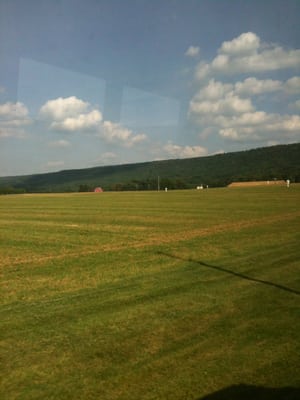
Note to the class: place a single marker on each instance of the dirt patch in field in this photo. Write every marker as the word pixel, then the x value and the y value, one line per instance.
pixel 257 183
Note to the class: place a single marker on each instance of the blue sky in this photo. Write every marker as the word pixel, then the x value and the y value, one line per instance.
pixel 94 82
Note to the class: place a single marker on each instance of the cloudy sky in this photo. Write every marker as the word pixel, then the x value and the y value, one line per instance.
pixel 99 82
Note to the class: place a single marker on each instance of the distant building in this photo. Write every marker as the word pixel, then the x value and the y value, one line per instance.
pixel 98 190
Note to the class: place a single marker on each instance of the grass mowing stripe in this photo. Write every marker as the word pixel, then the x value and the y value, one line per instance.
pixel 158 238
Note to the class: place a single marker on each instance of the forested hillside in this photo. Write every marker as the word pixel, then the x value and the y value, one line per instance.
pixel 276 162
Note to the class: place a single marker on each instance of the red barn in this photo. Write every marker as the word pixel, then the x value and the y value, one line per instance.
pixel 98 190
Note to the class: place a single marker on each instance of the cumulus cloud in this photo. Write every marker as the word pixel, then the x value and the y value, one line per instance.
pixel 289 123
pixel 246 43
pixel 275 124
pixel 259 125
pixel 70 114
pixel 247 54
pixel 115 133
pixel 218 99
pixel 229 105
pixel 192 51
pixel 6 132
pixel 61 108
pixel 292 85
pixel 249 87
pixel 81 122
pixel 75 115
pixel 253 86
pixel 13 118
pixel 246 119
pixel 228 110
pixel 214 90
pixel 13 110
pixel 178 151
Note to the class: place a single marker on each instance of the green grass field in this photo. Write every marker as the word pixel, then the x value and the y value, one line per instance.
pixel 149 295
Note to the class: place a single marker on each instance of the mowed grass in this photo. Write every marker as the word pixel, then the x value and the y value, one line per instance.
pixel 149 295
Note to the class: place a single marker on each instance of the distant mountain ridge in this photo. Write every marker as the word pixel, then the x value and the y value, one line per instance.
pixel 266 163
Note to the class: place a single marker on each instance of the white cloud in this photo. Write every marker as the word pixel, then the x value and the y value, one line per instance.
pixel 13 110
pixel 178 151
pixel 288 123
pixel 2 89
pixel 113 132
pixel 292 85
pixel 6 132
pixel 227 109
pixel 63 114
pixel 213 91
pixel 81 122
pixel 230 133
pixel 202 71
pixel 13 117
pixel 260 126
pixel 246 54
pixel 61 108
pixel 192 51
pixel 246 119
pixel 229 105
pixel 253 86
pixel 70 114
pixel 218 98
pixel 246 43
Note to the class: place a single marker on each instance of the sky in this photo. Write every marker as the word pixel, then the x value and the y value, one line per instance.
pixel 106 82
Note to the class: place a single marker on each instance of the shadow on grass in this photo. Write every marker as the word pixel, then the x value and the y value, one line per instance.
pixel 239 275
pixel 249 392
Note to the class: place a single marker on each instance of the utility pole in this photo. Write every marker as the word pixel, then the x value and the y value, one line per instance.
pixel 158 186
